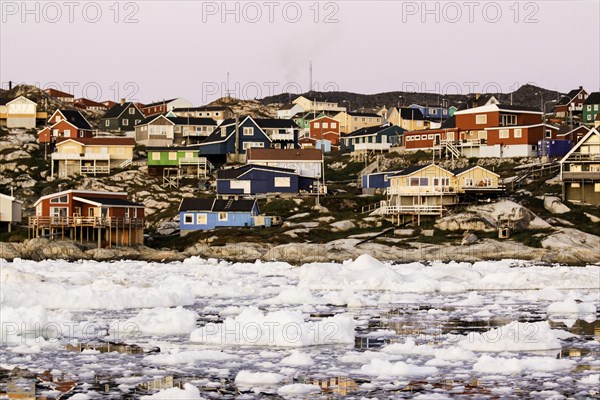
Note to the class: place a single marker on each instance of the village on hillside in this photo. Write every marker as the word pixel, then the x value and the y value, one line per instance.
pixel 172 174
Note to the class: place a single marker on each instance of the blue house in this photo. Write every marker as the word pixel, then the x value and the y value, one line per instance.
pixel 376 181
pixel 223 140
pixel 374 138
pixel 432 112
pixel 259 133
pixel 259 179
pixel 205 214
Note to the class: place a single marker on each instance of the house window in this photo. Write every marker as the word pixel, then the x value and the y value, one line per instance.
pixel 125 122
pixel 318 125
pixel 414 182
pixel 60 200
pixel 481 119
pixel 248 131
pixel 107 123
pixel 67 133
pixel 364 120
pixel 419 182
pixel 548 134
pixel 589 107
pixel 506 120
pixel 595 107
pixel 423 137
pixel 596 187
pixel 201 219
pixel 188 219
pixel 59 212
pixel 155 156
pixel 468 181
pixel 248 145
pixel 433 111
pixel 430 137
pixel 120 150
pixel 574 185
pixel 487 182
pixel 503 134
pixel 519 133
pixel 222 216
pixel 131 110
pixel 223 131
pixel 325 125
pixel 283 182
pixel 172 156
pixel 334 125
pixel 444 181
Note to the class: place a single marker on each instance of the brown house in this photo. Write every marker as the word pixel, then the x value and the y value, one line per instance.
pixel 106 217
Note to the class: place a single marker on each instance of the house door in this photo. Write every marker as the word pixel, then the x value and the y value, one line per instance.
pixel 384 139
pixel 437 139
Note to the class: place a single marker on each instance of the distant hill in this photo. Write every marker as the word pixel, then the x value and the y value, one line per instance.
pixel 527 95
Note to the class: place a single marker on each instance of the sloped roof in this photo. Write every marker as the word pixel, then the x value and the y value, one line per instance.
pixel 363 114
pixel 566 99
pixel 217 205
pixel 234 173
pixel 275 123
pixel 372 130
pixel 258 154
pixel 118 109
pixel 202 108
pixel 157 103
pixel 412 114
pixel 449 123
pixel 412 169
pixel 76 118
pixel 111 201
pixel 101 141
pixel 593 98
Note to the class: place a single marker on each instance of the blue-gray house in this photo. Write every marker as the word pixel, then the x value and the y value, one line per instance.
pixel 260 179
pixel 432 112
pixel 234 137
pixel 376 181
pixel 373 138
pixel 205 214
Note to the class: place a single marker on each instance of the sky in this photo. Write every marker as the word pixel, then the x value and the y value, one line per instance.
pixel 154 50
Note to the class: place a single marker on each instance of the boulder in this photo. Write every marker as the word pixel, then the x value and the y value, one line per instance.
pixel 167 227
pixel 592 218
pixel 39 249
pixel 555 205
pixel 341 226
pixel 10 251
pixel 404 232
pixel 468 239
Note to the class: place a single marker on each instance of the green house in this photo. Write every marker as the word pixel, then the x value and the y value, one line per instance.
pixel 303 120
pixel 591 108
pixel 185 159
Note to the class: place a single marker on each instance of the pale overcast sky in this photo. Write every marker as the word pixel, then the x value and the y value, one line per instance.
pixel 153 50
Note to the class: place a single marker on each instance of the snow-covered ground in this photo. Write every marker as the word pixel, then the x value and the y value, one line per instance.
pixel 359 329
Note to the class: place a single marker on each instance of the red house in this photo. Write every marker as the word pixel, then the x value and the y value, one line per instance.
pixel 66 124
pixel 571 103
pixel 89 105
pixel 108 218
pixel 322 128
pixel 60 95
pixel 493 130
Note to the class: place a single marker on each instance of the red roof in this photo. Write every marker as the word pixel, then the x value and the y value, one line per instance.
pixel 57 93
pixel 88 103
pixel 258 154
pixel 101 141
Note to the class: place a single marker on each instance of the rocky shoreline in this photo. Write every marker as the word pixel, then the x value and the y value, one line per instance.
pixel 565 246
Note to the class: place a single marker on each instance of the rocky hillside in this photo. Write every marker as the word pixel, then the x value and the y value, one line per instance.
pixel 527 95
pixel 254 108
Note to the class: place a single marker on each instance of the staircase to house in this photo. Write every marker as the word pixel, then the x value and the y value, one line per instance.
pixel 126 163
pixel 534 171
pixel 229 203
pixel 451 148
pixel 373 167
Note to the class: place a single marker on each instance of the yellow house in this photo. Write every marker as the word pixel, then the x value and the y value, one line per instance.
pixel 19 113
pixel 352 121
pixel 308 104
pixel 430 189
pixel 580 170
pixel 410 119
pixel 91 156
pixel 475 178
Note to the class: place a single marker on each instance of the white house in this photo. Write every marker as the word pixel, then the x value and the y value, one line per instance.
pixel 10 210
pixel 19 112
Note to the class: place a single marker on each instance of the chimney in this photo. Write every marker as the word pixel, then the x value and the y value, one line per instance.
pixel 9 85
pixel 122 101
pixel 580 87
pixel 477 96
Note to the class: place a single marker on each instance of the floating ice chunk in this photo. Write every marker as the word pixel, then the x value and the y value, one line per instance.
pixel 294 295
pixel 189 392
pixel 516 336
pixel 500 365
pixel 297 359
pixel 570 306
pixel 593 379
pixel 384 368
pixel 191 356
pixel 408 347
pixel 454 354
pixel 159 321
pixel 298 389
pixel 23 322
pixel 249 378
pixel 279 328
